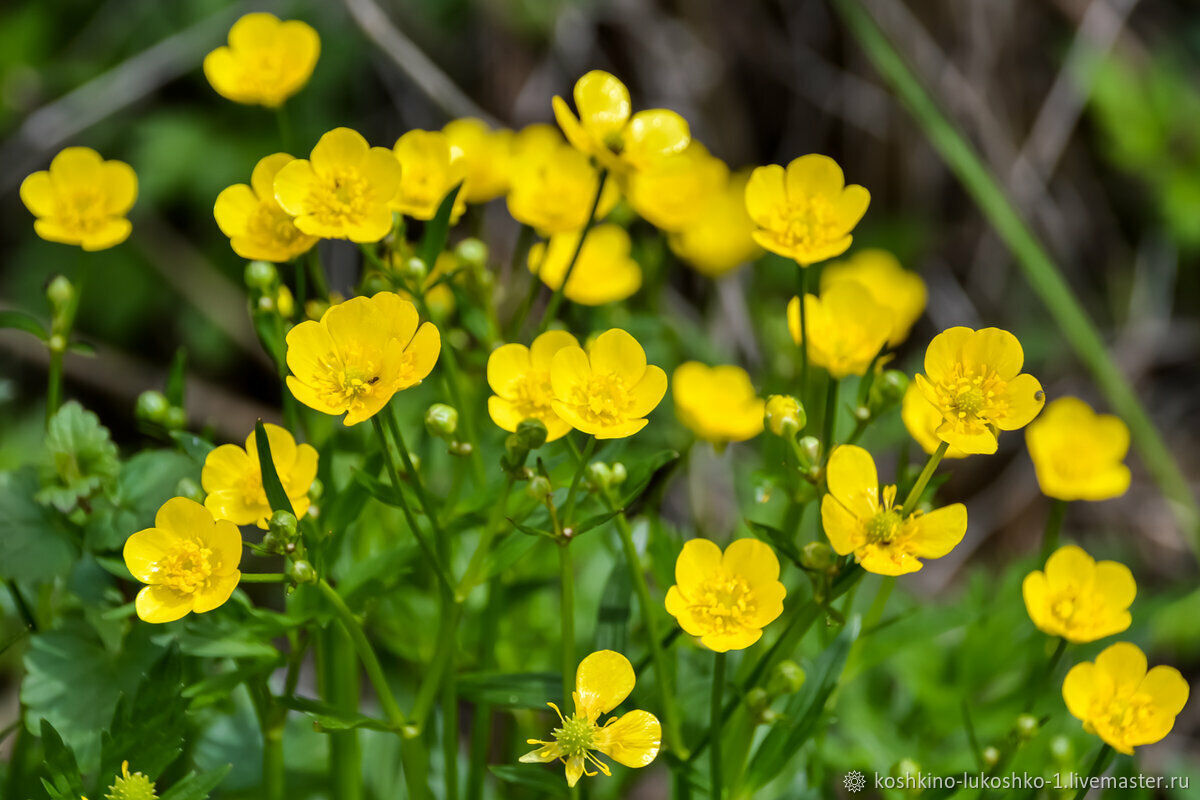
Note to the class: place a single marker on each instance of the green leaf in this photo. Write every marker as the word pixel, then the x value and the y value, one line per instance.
pixel 65 781
pixel 512 689
pixel 383 492
pixel 148 728
pixel 595 522
pixel 197 447
pixel 529 530
pixel 270 478
pixel 33 546
pixel 433 242
pixel 612 623
pixel 20 321
pixel 653 473
pixel 533 776
pixel 331 719
pixel 509 551
pixel 218 637
pixel 780 540
pixel 147 480
pixel 83 457
pixel 197 785
pixel 177 377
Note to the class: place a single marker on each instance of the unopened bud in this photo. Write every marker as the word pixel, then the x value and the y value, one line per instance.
pixel 619 474
pixel 539 487
pixel 266 304
pixel 532 433
pixel 374 284
pixel 283 524
pixel 458 448
pixel 786 678
pixel 441 420
pixel 152 406
pixel 316 308
pixel 175 419
pixel 991 756
pixel 817 556
pixel 57 343
pixel 261 275
pixel 784 415
pixel 302 572
pixel 810 449
pixel 757 700
pixel 888 389
pixel 1026 726
pixel 599 474
pixel 190 489
pixel 472 253
pixel 316 489
pixel 1061 749
pixel 908 771
pixel 414 269
pixel 60 292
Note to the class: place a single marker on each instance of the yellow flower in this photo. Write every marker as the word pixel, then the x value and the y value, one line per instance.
pixel 727 598
pixel 805 213
pixel 859 518
pixel 343 190
pixel 974 380
pixel 257 226
pixel 82 199
pixel 718 404
pixel 520 377
pixel 784 415
pixel 131 786
pixel 535 138
pixel 672 193
pixel 922 419
pixel 608 390
pixel 429 168
pixel 361 353
pixel 720 238
pixel 846 328
pixel 602 682
pixel 234 484
pixel 604 272
pixel 899 290
pixel 1078 598
pixel 1077 453
pixel 485 154
pixel 553 188
pixel 605 129
pixel 188 559
pixel 1122 703
pixel 266 62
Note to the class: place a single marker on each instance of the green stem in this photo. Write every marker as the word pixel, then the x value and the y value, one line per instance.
pixel 1047 673
pixel 414 477
pixel 1099 764
pixel 339 683
pixel 1039 269
pixel 714 725
pixel 1054 523
pixel 450 732
pixel 471 577
pixel 274 773
pixel 481 723
pixel 263 577
pixel 830 421
pixel 584 457
pixel 285 127
pixel 803 334
pixel 443 659
pixel 918 488
pixel 566 574
pixel 557 298
pixel 54 383
pixel 647 607
pixel 316 271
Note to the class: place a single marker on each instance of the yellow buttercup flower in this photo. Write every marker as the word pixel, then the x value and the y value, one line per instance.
pixel 485 154
pixel 673 193
pixel 266 62
pixel 861 518
pixel 1078 454
pixel 605 272
pixel 974 380
pixel 922 419
pixel 720 238
pixel 257 226
pixel 727 598
pixel 1079 598
pixel 608 389
pixel 1122 703
pixel 233 480
pixel 899 290
pixel 718 404
pixel 361 353
pixel 82 199
pixel 343 190
pixel 807 211
pixel 429 168
pixel 602 682
pixel 131 786
pixel 520 378
pixel 606 130
pixel 189 561
pixel 553 188
pixel 783 415
pixel 846 328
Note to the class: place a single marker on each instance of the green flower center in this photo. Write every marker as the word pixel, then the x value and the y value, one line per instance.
pixel 131 786
pixel 576 736
pixel 883 527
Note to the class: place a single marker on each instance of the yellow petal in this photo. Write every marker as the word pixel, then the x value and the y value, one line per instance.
pixel 546 345
pixel 1115 583
pixel 699 560
pixel 302 473
pixel 617 353
pixel 655 134
pixel 1167 688
pixel 574 770
pixel 633 740
pixel 1069 565
pixel 1124 663
pixel 571 127
pixel 158 604
pixel 753 560
pixel 120 186
pixel 76 168
pixel 887 560
pixel 310 397
pixel 225 542
pixel 1079 689
pixel 1033 591
pixel 421 355
pixel 145 549
pixel 507 367
pixel 843 529
pixel 262 179
pixel 945 352
pixel 254 31
pixel 215 592
pixel 233 209
pixel 1025 400
pixel 765 192
pixel 109 233
pixel 733 640
pixel 549 751
pixel 224 467
pixel 292 184
pixel 231 505
pixel 569 370
pixel 340 148
pixel 309 347
pixel 814 175
pixel 853 481
pixel 38 194
pixel 603 103
pixel 940 531
pixel 602 682
pixel 982 442
pixel 994 349
pixel 646 394
pixel 850 207
pixel 184 518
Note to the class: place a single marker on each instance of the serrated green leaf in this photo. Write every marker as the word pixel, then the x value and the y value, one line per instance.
pixel 20 321
pixel 146 481
pixel 82 455
pixel 65 781
pixel 34 545
pixel 437 230
pixel 148 727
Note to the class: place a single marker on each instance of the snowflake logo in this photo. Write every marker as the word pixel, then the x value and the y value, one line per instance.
pixel 854 781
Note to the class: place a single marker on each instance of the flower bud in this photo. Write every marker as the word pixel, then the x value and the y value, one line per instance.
pixel 539 487
pixel 784 416
pixel 817 556
pixel 266 304
pixel 414 269
pixel 1026 726
pixel 619 474
pixel 57 343
pixel 786 678
pixel 458 448
pixel 531 433
pixel 283 524
pixel 374 284
pixel 991 756
pixel 175 419
pixel 757 700
pixel 261 275
pixel 599 474
pixel 441 420
pixel 301 571
pixel 316 489
pixel 316 308
pixel 285 302
pixel 60 292
pixel 1061 749
pixel 190 489
pixel 888 390
pixel 908 772
pixel 152 406
pixel 472 253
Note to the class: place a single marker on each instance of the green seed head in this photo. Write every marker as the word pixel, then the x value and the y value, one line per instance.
pixel 576 736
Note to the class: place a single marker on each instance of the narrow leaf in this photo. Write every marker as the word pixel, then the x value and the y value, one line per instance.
pixel 197 785
pixel 532 776
pixel 270 478
pixel 177 377
pixel 437 230
pixel 20 321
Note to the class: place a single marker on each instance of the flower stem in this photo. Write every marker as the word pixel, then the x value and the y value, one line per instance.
pixel 714 722
pixel 60 336
pixel 830 421
pixel 1099 764
pixel 566 575
pixel 1054 523
pixel 569 503
pixel 337 675
pixel 415 477
pixel 803 334
pixel 557 298
pixel 262 577
pixel 1038 685
pixel 918 488
pixel 470 578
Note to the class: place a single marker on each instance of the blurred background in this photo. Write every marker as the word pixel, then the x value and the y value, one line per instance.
pixel 1087 110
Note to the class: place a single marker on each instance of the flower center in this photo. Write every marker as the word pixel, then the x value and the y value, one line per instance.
pixel 339 196
pixel 82 209
pixel 603 399
pixel 883 527
pixel 807 222
pixel 187 568
pixel 270 224
pixel 724 603
pixel 346 380
pixel 972 399
pixel 576 736
pixel 531 395
pixel 1129 715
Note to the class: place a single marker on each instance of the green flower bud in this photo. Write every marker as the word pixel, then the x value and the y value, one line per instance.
pixel 316 308
pixel 810 449
pixel 375 283
pixel 991 756
pixel 316 490
pixel 599 474
pixel 441 420
pixel 57 343
pixel 414 269
pixel 887 390
pixel 784 415
pixel 176 418
pixel 1026 726
pixel 152 406
pixel 539 487
pixel 301 571
pixel 190 489
pixel 618 474
pixel 786 678
pixel 283 523
pixel 818 557
pixel 1061 749
pixel 908 772
pixel 458 448
pixel 266 304
pixel 757 700
pixel 261 275
pixel 60 292
pixel 472 253
pixel 531 433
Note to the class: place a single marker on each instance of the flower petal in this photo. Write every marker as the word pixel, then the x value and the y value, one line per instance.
pixel 853 481
pixel 939 531
pixel 602 682
pixel 158 604
pixel 633 740
pixel 753 560
pixel 699 559
pixel 616 352
pixel 184 518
